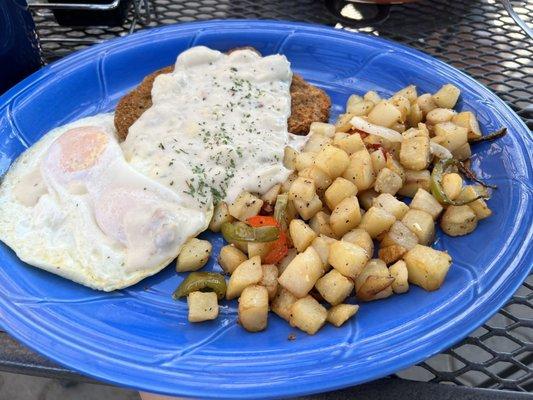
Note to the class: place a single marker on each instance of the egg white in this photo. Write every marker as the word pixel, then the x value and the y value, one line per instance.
pixel 59 233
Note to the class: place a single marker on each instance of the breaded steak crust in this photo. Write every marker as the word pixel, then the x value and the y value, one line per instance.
pixel 308 104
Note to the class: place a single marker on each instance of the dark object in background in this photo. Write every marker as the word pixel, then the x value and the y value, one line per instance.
pixel 20 53
pixel 114 15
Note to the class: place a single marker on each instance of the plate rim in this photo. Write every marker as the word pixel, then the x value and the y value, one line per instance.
pixel 414 355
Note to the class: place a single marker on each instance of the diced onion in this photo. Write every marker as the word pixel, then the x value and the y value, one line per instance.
pixel 385 133
pixel 440 151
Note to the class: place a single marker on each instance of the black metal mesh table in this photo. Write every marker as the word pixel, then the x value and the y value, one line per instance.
pixel 478 37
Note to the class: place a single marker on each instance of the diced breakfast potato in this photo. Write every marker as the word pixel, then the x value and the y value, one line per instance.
pixel 409 92
pixel 468 120
pixel 426 103
pixel 304 160
pixel 427 267
pixel 463 152
pixel 320 224
pixel 302 273
pixel 302 189
pixel 220 215
pixel 391 254
pixel 282 303
pixel 286 186
pixel 439 115
pixel 319 177
pixel 340 189
pixel 246 274
pixel 479 206
pixel 343 122
pixel 193 255
pixel 426 202
pixel 374 282
pixel 345 216
pixel 384 114
pixel 387 181
pixel 379 160
pixel 361 238
pixel 391 204
pixel 372 96
pixel 202 306
pixel 307 209
pixel 416 115
pixel 260 249
pixel 302 235
pixel 376 221
pixel 322 128
pixel 322 244
pixel 421 224
pixel 270 279
pixel 359 170
pixel 352 100
pixel 341 313
pixel 361 108
pixel 308 315
pixel 403 105
pixel 347 258
pixel 451 136
pixel 246 205
pixel 289 157
pixel 415 153
pixel 401 278
pixel 396 167
pixel 332 160
pixel 399 234
pixel 415 180
pixel 316 142
pixel 452 184
pixel 447 96
pixel 458 220
pixel 282 265
pixel 348 142
pixel 253 308
pixel 334 287
pixel 230 258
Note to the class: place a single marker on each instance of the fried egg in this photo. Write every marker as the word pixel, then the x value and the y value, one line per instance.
pixel 73 206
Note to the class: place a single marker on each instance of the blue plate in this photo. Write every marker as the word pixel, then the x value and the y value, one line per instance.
pixel 139 337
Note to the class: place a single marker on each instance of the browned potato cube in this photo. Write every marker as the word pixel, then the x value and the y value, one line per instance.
pixel 302 189
pixel 291 254
pixel 400 274
pixel 302 273
pixel 194 255
pixel 332 160
pixel 347 258
pixel 479 206
pixel 308 315
pixel 439 115
pixel 388 181
pixel 202 306
pixel 366 198
pixel 447 96
pixel 282 303
pixel 230 258
pixel 421 224
pixel 348 142
pixel 334 287
pixel 379 161
pixel 400 235
pixel 301 234
pixel 391 204
pixel 427 267
pixel 289 157
pixel 416 115
pixel 322 128
pixel 468 120
pixel 319 177
pixel 415 153
pixel 307 209
pixel 304 160
pixel 246 205
pixel 246 274
pixel 339 190
pixel 392 253
pixel 458 220
pixel 426 103
pixel 409 92
pixel 322 244
pixel 384 114
pixel 316 142
pixel 220 215
pixel 345 216
pixel 372 96
pixel 463 152
pixel 374 282
pixel 426 202
pixel 359 170
pixel 286 186
pixel 259 249
pixel 270 279
pixel 361 238
pixel 343 122
pixel 376 221
pixel 452 184
pixel 320 224
pixel 415 180
pixel 450 135
pixel 339 314
pixel 253 308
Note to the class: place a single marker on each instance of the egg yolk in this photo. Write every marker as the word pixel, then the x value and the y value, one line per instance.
pixel 81 148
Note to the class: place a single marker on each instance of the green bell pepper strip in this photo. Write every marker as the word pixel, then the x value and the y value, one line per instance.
pixel 437 190
pixel 201 281
pixel 280 211
pixel 239 231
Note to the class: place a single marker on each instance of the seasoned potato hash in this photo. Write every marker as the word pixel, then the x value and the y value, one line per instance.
pixel 356 219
